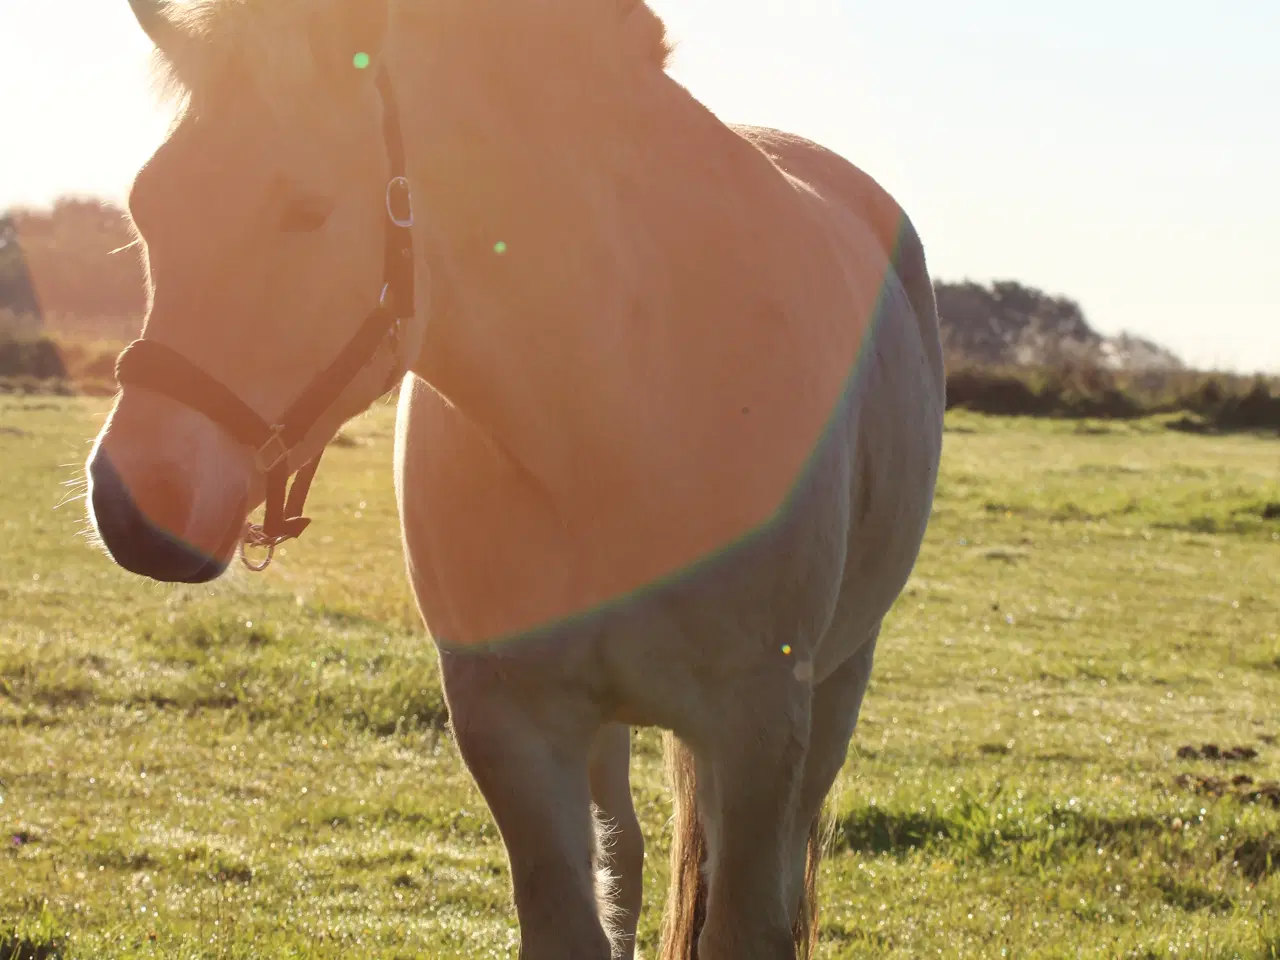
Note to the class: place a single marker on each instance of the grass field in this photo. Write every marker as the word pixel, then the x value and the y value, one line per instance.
pixel 261 768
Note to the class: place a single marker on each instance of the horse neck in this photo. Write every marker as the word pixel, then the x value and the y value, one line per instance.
pixel 582 389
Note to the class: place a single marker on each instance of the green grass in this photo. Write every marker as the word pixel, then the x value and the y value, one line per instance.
pixel 261 768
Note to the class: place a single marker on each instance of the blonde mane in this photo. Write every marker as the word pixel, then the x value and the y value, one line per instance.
pixel 253 43
pixel 258 42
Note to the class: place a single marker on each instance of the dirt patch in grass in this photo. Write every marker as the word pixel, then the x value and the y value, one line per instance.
pixel 1241 786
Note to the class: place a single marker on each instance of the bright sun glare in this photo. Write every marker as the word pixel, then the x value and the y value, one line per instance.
pixel 1068 148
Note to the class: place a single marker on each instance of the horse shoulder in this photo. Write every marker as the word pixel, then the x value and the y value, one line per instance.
pixel 486 555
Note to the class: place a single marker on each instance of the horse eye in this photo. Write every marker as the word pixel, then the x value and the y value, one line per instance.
pixel 305 215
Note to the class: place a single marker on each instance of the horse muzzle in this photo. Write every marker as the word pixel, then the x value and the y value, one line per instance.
pixel 142 539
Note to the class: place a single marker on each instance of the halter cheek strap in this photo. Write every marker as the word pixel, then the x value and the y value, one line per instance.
pixel 150 364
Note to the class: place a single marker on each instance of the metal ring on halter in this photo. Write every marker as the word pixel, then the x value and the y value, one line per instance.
pixel 408 196
pixel 253 536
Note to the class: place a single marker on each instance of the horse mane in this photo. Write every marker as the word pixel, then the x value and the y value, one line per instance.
pixel 219 39
pixel 223 36
pixel 646 31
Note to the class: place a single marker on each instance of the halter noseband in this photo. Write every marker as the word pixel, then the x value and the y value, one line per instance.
pixel 149 364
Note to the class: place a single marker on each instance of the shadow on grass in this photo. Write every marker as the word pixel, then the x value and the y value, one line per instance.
pixel 1193 897
pixel 14 947
pixel 1259 858
pixel 993 828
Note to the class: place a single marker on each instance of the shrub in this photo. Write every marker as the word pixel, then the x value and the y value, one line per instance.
pixel 36 357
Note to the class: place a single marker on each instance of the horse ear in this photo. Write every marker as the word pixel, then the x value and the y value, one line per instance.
pixel 156 19
pixel 348 35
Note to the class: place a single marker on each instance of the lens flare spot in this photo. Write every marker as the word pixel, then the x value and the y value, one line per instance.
pixel 361 61
pixel 500 247
pixel 786 649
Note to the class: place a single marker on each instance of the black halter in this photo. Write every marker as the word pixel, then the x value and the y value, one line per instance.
pixel 149 364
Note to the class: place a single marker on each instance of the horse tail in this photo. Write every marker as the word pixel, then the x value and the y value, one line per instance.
pixel 805 929
pixel 687 888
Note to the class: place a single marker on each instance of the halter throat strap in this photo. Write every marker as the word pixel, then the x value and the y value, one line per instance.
pixel 160 368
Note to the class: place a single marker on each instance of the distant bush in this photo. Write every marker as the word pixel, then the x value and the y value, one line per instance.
pixel 36 357
pixel 1255 409
pixel 31 362
pixel 1009 323
pixel 1213 401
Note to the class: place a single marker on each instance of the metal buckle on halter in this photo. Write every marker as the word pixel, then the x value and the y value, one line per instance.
pixel 402 182
pixel 275 448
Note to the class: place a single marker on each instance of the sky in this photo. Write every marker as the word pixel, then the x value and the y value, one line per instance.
pixel 1124 153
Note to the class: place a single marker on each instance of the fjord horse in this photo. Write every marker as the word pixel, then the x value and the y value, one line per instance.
pixel 671 398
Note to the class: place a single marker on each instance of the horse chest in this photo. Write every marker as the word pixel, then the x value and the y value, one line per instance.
pixel 490 558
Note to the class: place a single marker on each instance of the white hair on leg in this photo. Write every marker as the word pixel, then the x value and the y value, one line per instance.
pixel 606 880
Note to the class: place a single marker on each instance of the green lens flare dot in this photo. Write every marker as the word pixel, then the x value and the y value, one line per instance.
pixel 500 247
pixel 360 60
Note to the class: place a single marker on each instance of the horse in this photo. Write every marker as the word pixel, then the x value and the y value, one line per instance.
pixel 670 415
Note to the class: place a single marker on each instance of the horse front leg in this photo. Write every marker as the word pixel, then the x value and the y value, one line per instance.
pixel 623 854
pixel 528 755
